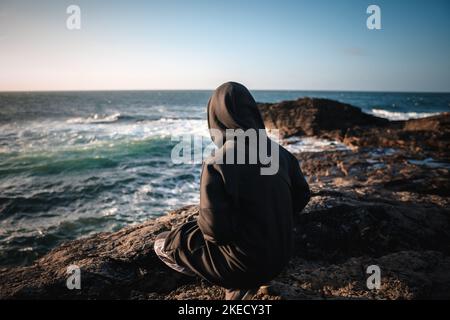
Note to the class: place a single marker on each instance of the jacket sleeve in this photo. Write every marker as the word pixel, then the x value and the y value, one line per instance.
pixel 215 218
pixel 300 188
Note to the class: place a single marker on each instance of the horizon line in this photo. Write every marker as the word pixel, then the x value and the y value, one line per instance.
pixel 149 90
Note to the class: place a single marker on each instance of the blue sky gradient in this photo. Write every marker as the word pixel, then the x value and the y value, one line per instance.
pixel 198 44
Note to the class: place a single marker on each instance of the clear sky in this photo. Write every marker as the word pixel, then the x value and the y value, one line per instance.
pixel 198 44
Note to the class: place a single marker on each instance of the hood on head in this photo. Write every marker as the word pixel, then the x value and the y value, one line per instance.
pixel 232 107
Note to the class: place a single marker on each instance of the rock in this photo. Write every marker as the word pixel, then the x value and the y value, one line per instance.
pixel 435 123
pixel 342 122
pixel 113 265
pixel 404 275
pixel 337 234
pixel 410 135
pixel 339 226
pixel 314 117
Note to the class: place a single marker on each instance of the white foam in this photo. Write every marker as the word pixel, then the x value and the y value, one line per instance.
pixel 4 150
pixel 311 144
pixel 392 115
pixel 109 212
pixel 83 133
pixel 173 127
pixel 56 135
pixel 96 119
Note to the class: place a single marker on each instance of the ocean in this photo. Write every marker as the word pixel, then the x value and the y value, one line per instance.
pixel 77 163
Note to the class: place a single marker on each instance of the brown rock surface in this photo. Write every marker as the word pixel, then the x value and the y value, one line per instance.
pixel 343 122
pixel 313 117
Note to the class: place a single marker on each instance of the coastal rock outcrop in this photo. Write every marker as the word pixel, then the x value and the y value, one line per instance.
pixel 343 122
pixel 337 238
pixel 315 117
pixel 112 265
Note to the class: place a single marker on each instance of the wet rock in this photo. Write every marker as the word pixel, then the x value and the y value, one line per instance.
pixel 312 117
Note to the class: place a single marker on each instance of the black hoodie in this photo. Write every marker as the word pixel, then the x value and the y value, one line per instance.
pixel 243 235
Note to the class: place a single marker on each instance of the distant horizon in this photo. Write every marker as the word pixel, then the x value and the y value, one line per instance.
pixel 212 89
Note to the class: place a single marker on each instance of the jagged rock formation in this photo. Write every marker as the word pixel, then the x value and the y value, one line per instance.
pixel 315 117
pixel 343 122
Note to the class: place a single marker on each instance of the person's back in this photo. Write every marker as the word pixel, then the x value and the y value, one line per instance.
pixel 243 235
pixel 260 208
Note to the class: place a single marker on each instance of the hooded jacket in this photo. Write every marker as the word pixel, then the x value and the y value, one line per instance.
pixel 243 235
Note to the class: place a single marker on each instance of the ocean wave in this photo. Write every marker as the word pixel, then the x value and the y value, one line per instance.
pixel 395 115
pixel 61 136
pixel 96 119
pixel 312 144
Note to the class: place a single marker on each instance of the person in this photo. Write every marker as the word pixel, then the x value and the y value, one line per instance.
pixel 243 236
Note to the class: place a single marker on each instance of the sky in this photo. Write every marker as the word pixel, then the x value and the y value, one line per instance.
pixel 199 44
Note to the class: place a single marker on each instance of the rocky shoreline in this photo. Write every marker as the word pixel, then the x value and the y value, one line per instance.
pixel 384 202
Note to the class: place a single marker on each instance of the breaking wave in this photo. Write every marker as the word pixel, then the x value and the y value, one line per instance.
pixel 96 119
pixel 395 115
